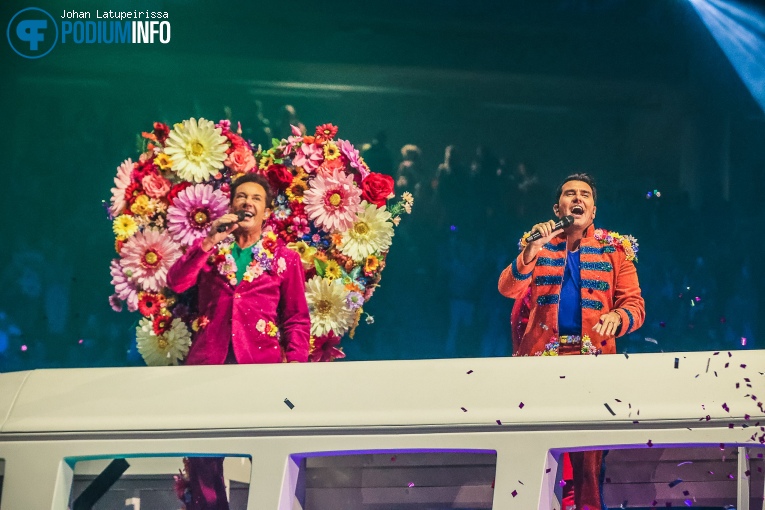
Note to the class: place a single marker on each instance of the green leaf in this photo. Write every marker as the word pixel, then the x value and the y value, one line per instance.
pixel 321 266
pixel 275 142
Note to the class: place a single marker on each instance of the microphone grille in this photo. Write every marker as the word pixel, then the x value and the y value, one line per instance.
pixel 567 220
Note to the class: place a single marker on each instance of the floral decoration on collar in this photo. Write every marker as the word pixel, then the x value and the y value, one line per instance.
pixel 262 258
pixel 627 244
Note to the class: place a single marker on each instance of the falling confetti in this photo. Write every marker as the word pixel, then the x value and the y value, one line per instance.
pixel 677 362
pixel 675 483
pixel 289 404
pixel 610 410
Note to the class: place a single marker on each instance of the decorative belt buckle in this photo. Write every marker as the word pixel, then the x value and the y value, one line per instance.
pixel 570 339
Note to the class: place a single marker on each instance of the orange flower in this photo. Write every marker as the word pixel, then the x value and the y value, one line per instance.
pixel 149 136
pixel 337 239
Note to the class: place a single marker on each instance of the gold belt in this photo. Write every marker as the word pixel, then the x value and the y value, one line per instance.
pixel 570 339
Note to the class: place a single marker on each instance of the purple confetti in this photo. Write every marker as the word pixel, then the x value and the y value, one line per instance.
pixel 520 406
pixel 548 470
pixel 743 365
pixel 469 372
pixel 650 444
pixel 499 422
pixel 411 484
pixel 675 483
pixel 514 493
pixel 463 409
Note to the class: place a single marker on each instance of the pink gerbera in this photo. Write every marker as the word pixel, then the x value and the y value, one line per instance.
pixel 354 158
pixel 309 156
pixel 192 212
pixel 146 258
pixel 124 288
pixel 332 201
pixel 121 182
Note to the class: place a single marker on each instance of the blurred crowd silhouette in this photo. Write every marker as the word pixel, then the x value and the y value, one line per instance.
pixel 438 296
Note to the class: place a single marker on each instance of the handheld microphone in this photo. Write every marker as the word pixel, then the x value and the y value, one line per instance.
pixel 241 215
pixel 561 223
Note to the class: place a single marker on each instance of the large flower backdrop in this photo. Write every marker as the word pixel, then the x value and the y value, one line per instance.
pixel 329 207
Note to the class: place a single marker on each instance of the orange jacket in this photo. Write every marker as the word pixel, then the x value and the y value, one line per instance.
pixel 609 282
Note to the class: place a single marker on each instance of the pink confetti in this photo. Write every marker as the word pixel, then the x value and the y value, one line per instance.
pixel 23 348
pixel 411 484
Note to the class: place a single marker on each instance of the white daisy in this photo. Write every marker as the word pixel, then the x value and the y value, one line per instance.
pixel 326 303
pixel 372 232
pixel 197 149
pixel 166 349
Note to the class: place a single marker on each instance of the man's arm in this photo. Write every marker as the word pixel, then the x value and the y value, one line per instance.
pixel 628 301
pixel 293 309
pixel 515 279
pixel 184 272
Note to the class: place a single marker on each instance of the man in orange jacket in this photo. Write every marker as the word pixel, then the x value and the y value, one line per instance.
pixel 576 290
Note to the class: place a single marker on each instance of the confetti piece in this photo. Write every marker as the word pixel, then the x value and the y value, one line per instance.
pixel 499 422
pixel 411 484
pixel 674 483
pixel 562 376
pixel 289 404
pixel 514 493
pixel 650 444
pixel 725 406
pixel 677 362
pixel 463 409
pixel 708 360
pixel 520 482
pixel 610 410
pixel 652 340
pixel 743 365
pixel 548 470
pixel 469 372
pixel 520 406
pixel 684 463
pixel 686 493
pixel 626 355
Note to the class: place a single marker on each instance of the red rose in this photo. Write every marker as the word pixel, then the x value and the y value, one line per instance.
pixel 376 188
pixel 143 169
pixel 279 177
pixel 177 189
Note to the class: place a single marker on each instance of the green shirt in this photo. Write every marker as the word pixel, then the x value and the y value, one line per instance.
pixel 242 257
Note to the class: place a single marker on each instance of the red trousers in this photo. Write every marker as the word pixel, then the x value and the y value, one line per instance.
pixel 583 467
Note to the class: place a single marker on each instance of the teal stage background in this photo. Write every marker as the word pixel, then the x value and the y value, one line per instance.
pixel 637 93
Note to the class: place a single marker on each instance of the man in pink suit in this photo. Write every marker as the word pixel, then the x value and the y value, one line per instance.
pixel 251 303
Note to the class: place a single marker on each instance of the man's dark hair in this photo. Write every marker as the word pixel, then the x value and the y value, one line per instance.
pixel 257 179
pixel 587 178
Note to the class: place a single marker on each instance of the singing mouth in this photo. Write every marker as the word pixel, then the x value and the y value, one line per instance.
pixel 577 209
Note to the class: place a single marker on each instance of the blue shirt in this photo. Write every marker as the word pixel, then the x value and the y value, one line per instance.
pixel 570 308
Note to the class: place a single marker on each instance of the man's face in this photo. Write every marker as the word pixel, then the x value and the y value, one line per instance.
pixel 576 200
pixel 250 197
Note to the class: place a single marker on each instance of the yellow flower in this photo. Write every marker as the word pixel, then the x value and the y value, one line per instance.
pixel 331 151
pixel 371 264
pixel 297 189
pixel 272 329
pixel 332 271
pixel 266 162
pixel 163 161
pixel 124 226
pixel 408 198
pixel 141 206
pixel 305 251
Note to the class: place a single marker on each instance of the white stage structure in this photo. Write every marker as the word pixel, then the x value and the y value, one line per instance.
pixel 293 417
